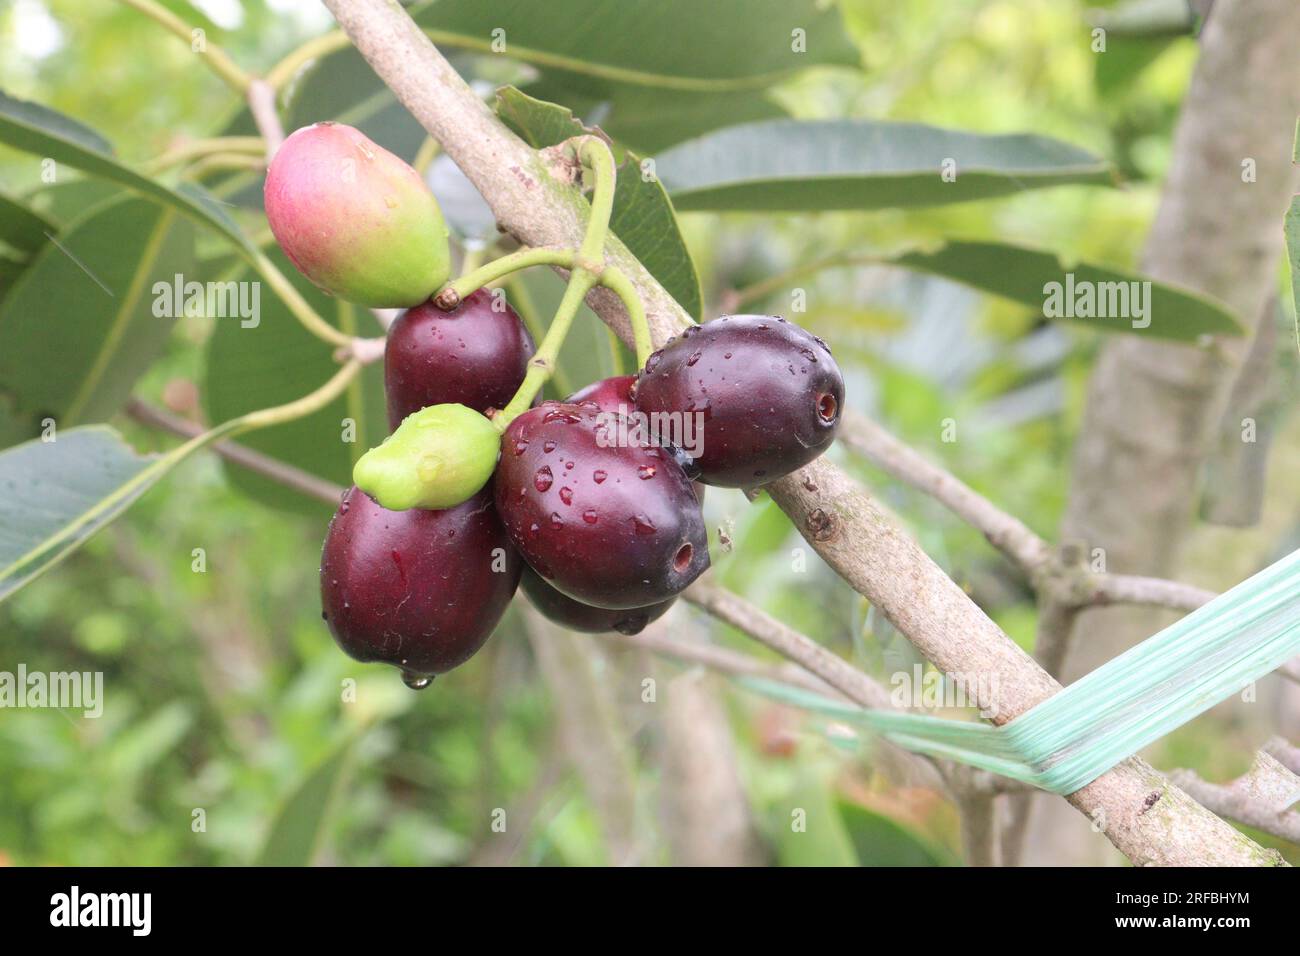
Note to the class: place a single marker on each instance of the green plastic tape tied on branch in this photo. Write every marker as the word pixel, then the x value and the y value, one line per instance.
pixel 1075 736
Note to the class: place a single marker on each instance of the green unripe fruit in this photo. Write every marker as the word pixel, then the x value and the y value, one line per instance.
pixel 438 457
pixel 355 219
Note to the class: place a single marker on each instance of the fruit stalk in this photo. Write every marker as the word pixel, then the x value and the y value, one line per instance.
pixel 588 267
pixel 453 293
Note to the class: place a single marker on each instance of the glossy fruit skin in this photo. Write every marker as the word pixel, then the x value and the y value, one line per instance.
pixel 610 394
pixel 421 590
pixel 576 616
pixel 617 395
pixel 614 527
pixel 355 219
pixel 473 355
pixel 770 394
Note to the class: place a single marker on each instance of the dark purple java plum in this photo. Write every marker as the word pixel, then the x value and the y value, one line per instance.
pixel 608 522
pixel 617 395
pixel 610 394
pixel 576 616
pixel 474 356
pixel 768 394
pixel 421 590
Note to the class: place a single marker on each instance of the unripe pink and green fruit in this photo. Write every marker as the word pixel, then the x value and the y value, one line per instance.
pixel 355 219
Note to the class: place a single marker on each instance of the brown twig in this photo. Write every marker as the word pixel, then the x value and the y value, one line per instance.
pixel 287 475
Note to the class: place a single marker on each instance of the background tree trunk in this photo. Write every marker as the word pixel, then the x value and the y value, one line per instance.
pixel 1153 407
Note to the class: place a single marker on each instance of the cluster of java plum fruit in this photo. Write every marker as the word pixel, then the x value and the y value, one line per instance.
pixel 464 501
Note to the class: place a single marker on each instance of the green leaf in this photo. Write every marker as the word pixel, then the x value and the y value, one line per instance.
pixel 802 165
pixel 643 216
pixel 278 361
pixel 649 120
pixel 1022 274
pixel 35 129
pixel 668 44
pixel 807 825
pixel 55 495
pixel 1292 230
pixel 22 233
pixel 667 70
pixel 22 229
pixel 299 828
pixel 881 841
pixel 67 200
pixel 79 327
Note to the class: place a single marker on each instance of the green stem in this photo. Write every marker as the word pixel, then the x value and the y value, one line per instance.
pixel 287 68
pixel 622 285
pixel 299 306
pixel 587 268
pixel 595 155
pixel 429 150
pixel 523 303
pixel 542 364
pixel 471 282
pixel 216 58
pixel 216 162
pixel 300 408
pixel 197 149
pixel 615 351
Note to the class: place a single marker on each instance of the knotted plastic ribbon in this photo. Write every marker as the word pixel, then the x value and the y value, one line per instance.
pixel 1100 720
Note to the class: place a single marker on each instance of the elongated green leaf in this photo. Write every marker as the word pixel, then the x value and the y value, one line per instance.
pixel 643 215
pixel 55 495
pixel 79 327
pixel 299 829
pixel 67 200
pixel 35 129
pixel 666 70
pixel 648 120
pixel 1027 276
pixel 21 228
pixel 22 233
pixel 881 841
pixel 808 829
pixel 800 165
pixel 1292 229
pixel 276 361
pixel 668 44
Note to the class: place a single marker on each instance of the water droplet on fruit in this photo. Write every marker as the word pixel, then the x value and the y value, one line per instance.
pixel 427 469
pixel 653 360
pixel 521 445
pixel 646 472
pixel 598 476
pixel 566 495
pixel 416 681
pixel 726 355
pixel 809 354
pixel 390 202
pixel 590 516
pixel 548 446
pixel 534 528
pixel 542 480
pixel 568 465
pixel 556 521
pixel 695 357
pixel 643 525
